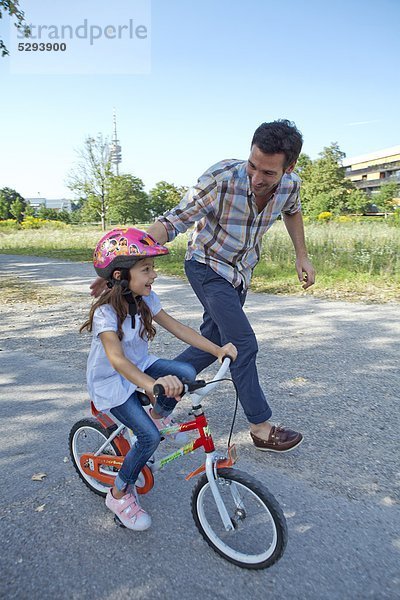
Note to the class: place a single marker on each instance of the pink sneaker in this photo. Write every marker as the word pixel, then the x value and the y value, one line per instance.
pixel 128 510
pixel 180 437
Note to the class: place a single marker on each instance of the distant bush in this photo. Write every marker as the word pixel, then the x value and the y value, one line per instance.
pixel 394 218
pixel 36 223
pixel 325 216
pixel 9 225
pixel 55 225
pixel 32 223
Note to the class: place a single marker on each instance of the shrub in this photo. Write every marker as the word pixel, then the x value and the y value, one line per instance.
pixel 32 223
pixel 325 216
pixel 394 218
pixel 9 225
pixel 55 225
pixel 35 223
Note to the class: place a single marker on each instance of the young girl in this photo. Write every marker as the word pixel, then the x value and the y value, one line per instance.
pixel 119 361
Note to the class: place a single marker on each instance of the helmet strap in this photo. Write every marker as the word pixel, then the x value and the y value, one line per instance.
pixel 127 294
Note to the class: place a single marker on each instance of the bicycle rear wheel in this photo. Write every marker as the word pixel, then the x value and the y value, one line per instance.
pixel 87 436
pixel 259 536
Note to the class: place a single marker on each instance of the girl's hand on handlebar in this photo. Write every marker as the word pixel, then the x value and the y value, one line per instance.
pixel 98 286
pixel 227 350
pixel 172 385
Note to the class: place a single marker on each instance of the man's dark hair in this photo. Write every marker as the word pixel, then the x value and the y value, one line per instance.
pixel 279 136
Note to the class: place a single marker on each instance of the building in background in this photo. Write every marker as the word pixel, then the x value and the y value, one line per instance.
pixel 57 204
pixel 36 202
pixel 369 172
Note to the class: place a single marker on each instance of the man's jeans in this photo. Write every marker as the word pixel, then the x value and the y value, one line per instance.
pixel 133 415
pixel 225 321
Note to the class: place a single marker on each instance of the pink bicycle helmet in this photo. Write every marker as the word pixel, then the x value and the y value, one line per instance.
pixel 122 248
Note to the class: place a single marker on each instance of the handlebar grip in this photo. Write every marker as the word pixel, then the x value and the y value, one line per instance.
pixel 195 385
pixel 158 389
pixel 228 357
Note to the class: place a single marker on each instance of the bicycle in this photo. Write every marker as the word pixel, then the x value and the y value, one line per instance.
pixel 236 514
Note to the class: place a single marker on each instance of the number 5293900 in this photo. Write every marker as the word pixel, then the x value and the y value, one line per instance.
pixel 42 47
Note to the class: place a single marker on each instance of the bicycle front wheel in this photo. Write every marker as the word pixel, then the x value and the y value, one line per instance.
pixel 259 534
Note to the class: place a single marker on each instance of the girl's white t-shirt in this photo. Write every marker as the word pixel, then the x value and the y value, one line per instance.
pixel 107 388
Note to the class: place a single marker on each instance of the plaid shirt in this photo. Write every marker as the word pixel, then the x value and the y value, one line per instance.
pixel 229 228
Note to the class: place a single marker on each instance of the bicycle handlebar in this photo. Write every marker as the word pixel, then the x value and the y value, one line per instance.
pixel 195 386
pixel 222 371
pixel 159 390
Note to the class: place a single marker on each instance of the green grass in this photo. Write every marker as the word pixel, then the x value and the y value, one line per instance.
pixel 355 260
pixel 352 260
pixel 72 242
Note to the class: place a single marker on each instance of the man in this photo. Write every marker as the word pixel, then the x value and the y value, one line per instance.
pixel 232 205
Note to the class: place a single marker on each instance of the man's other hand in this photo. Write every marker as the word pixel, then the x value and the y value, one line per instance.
pixel 98 286
pixel 305 272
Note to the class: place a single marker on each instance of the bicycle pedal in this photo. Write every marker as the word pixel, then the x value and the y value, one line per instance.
pixel 119 522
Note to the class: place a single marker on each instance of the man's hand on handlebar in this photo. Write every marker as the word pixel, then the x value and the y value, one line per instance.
pixel 98 286
pixel 229 350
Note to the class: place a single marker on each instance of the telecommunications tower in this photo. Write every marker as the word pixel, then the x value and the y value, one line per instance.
pixel 115 148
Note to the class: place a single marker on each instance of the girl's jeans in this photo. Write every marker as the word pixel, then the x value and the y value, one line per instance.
pixel 133 415
pixel 224 321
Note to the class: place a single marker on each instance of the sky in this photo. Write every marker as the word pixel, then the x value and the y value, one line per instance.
pixel 212 72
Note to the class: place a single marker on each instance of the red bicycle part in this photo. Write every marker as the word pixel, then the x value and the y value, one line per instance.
pixel 106 422
pixel 91 465
pixel 221 464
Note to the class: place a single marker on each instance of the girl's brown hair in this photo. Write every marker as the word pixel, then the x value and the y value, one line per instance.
pixel 115 298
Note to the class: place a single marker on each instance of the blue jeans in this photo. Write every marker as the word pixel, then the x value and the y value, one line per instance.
pixel 225 321
pixel 133 415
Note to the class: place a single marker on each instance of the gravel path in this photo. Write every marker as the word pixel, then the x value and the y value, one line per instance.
pixel 330 369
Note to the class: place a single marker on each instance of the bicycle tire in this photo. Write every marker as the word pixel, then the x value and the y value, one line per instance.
pixel 259 552
pixel 87 426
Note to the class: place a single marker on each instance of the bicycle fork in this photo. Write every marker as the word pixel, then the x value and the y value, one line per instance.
pixel 211 459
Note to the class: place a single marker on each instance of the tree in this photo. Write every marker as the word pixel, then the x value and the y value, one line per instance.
pixel 303 166
pixel 324 185
pixel 164 196
pixel 77 204
pixel 127 200
pixel 29 211
pixel 64 216
pixel 386 195
pixel 13 9
pixel 17 209
pixel 12 204
pixel 48 214
pixel 89 213
pixel 92 175
pixel 76 210
pixel 51 214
